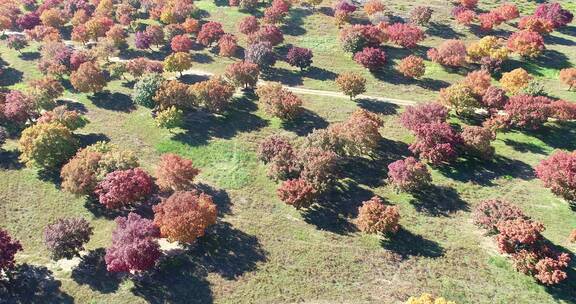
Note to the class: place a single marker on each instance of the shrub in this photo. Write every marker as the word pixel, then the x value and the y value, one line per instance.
pixel 459 97
pixel 243 74
pixel 426 298
pixel 478 81
pixel 536 24
pixel 373 6
pixel 70 119
pixel 528 112
pixel 261 54
pixel 554 13
pixel 145 89
pixel 550 271
pixel 415 116
pixel 526 43
pixel 508 11
pixel 489 20
pixel 278 101
pixel 489 213
pixel 488 47
pixel 409 174
pixel 449 53
pixel 421 15
pixel 469 3
pixel 465 16
pixel 181 43
pixel 185 215
pixel 175 173
pixel 568 76
pixel 123 187
pixel 299 57
pixel 319 168
pixel 412 67
pixel 113 159
pixel 345 5
pixel 209 33
pixel 170 118
pixel 8 249
pixel 191 26
pixel 515 80
pixel 563 110
pixel 494 98
pixel 357 37
pixel 227 45
pixel 248 25
pixel 477 141
pixel 79 175
pixel 533 88
pixel 178 62
pixel 297 192
pixel 284 165
pixel 351 84
pixel 18 107
pixel 376 217
pixel 173 93
pixel 517 233
pixel 405 35
pixel 436 143
pixel 558 172
pixel 134 245
pixel 66 237
pixel 371 58
pixel 272 146
pixel 358 135
pixel 46 145
pixel 214 94
pixel 88 78
pixel 44 91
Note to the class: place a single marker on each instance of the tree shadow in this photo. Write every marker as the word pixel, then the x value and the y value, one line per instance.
pixel 377 106
pixel 29 56
pixel 317 73
pixel 202 58
pixel 220 197
pixel 569 30
pixel 335 208
pixel 73 105
pixel 293 23
pixel 442 30
pixel 553 39
pixel 113 101
pixel 305 123
pixel 92 272
pixel 51 175
pixel 558 135
pixel 32 284
pixel 483 172
pixel 228 251
pixel 10 76
pixel 438 201
pixel 192 78
pixel 524 146
pixel 432 84
pixel 92 138
pixel 549 59
pixel 9 160
pixel 201 126
pixel 175 280
pixel 407 244
pixel 283 76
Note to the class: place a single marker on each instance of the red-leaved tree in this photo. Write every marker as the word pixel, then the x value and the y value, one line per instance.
pixel 175 173
pixel 409 174
pixel 124 187
pixel 558 172
pixel 376 217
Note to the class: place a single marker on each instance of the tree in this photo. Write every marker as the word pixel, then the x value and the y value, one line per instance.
pixel 351 84
pixel 373 6
pixel 175 173
pixel 536 24
pixel 209 33
pixel 508 11
pixel 88 78
pixel 70 119
pixel 359 135
pixel 489 20
pixel 477 141
pixel 54 58
pixel 98 26
pixel 371 58
pixel 528 112
pixel 173 93
pixel 181 43
pixel 526 43
pixel 409 174
pixel 156 35
pixel 134 245
pixel 357 37
pixel 17 42
pixel 427 298
pixel 52 17
pixel 46 145
pixel 412 67
pixel 554 13
pixel 227 45
pixel 489 213
pixel 345 5
pixel 79 175
pixel 18 107
pixel 297 193
pixel 436 143
pixel 463 15
pixel 450 53
pixel 276 12
pixel 66 237
pixel 488 47
pixel 8 249
pixel 278 101
pixel 28 21
pixel 494 98
pixel 145 89
pixel 79 57
pixel 558 172
pixel 80 34
pixel 248 25
pixel 185 215
pixel 568 76
pixel 267 33
pixel 284 165
pixel 563 110
pixel 44 91
pixel 141 65
pixel 191 26
pixel 469 3
pixel 260 53
pixel 170 118
pixel 299 57
pixel 172 30
pixel 178 62
pixel 459 97
pixel 515 80
pixel 319 168
pixel 376 217
pixel 243 74
pixel 123 187
pixel 479 81
pixel 272 146
pixel 421 15
pixel 214 94
pixel 142 40
pixel 415 116
pixel 405 35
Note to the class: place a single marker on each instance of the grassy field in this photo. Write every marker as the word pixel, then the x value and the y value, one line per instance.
pixel 263 251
